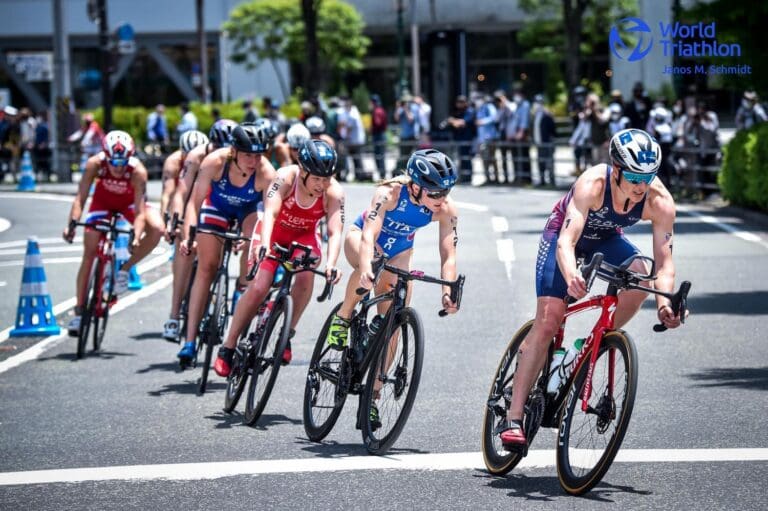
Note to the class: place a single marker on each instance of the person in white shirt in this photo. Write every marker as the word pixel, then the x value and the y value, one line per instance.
pixel 188 120
pixel 352 132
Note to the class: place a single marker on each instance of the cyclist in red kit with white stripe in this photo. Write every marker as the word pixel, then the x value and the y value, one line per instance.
pixel 121 184
pixel 298 198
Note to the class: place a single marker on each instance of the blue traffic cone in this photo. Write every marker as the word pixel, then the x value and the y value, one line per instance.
pixel 122 255
pixel 27 176
pixel 35 312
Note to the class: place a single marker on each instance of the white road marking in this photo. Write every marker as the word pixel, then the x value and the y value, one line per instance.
pixel 739 233
pixel 38 196
pixel 47 250
pixel 40 241
pixel 443 461
pixel 499 224
pixel 505 250
pixel 470 206
pixel 38 349
pixel 3 283
pixel 5 224
pixel 71 302
pixel 54 260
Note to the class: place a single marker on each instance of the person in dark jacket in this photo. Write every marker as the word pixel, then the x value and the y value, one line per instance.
pixel 544 132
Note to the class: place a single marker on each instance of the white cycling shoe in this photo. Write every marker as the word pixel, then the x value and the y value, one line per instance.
pixel 73 327
pixel 171 330
pixel 121 282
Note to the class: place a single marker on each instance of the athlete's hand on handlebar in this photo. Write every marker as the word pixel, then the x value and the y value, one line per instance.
pixel 448 305
pixel 668 318
pixel 186 249
pixel 366 279
pixel 332 275
pixel 68 233
pixel 577 287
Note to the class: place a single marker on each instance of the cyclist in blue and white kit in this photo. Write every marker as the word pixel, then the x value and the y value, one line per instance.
pixel 229 187
pixel 399 208
pixel 590 219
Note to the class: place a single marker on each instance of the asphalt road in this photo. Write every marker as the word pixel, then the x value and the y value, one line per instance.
pixel 697 439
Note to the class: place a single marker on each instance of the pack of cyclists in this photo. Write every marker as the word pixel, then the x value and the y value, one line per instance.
pixel 227 180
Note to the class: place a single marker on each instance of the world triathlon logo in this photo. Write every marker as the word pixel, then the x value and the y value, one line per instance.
pixel 635 27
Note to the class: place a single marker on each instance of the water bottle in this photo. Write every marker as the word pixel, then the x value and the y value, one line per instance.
pixel 375 325
pixel 559 377
pixel 553 383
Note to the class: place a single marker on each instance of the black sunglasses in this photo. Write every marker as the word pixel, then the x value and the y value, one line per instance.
pixel 439 194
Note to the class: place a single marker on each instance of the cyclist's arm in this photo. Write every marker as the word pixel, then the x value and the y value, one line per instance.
pixel 209 169
pixel 585 190
pixel 335 217
pixel 279 188
pixel 662 216
pixel 383 200
pixel 170 172
pixel 449 238
pixel 139 182
pixel 91 170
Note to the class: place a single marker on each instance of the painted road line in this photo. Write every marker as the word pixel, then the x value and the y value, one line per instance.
pixel 499 224
pixel 40 241
pixel 5 224
pixel 470 206
pixel 70 302
pixel 739 233
pixel 505 250
pixel 431 462
pixel 55 260
pixel 47 250
pixel 38 196
pixel 38 349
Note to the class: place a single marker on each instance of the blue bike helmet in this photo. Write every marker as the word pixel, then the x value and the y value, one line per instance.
pixel 432 170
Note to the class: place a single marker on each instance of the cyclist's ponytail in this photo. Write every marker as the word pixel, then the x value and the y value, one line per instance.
pixel 399 180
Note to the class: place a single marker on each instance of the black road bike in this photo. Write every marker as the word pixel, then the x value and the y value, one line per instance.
pixel 383 368
pixel 259 351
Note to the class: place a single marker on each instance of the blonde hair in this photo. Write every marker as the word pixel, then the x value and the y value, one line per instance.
pixel 400 180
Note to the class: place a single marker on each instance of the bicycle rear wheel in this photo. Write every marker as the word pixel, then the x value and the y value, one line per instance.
pixel 102 316
pixel 268 359
pixel 323 396
pixel 588 441
pixel 393 381
pixel 238 376
pixel 216 324
pixel 91 295
pixel 497 459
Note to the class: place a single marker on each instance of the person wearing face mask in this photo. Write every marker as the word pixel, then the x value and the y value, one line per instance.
pixel 750 112
pixel 660 127
pixel 518 133
pixel 618 121
pixel 638 108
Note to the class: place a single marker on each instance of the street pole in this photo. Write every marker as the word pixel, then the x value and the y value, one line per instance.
pixel 106 57
pixel 61 91
pixel 402 84
pixel 205 96
pixel 415 55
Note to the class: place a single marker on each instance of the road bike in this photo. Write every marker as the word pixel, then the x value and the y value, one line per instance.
pixel 593 406
pixel 381 365
pixel 259 351
pixel 213 323
pixel 99 292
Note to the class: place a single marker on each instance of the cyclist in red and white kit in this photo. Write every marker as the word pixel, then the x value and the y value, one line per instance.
pixel 121 184
pixel 298 198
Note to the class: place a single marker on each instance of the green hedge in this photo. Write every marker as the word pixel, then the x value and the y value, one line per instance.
pixel 743 178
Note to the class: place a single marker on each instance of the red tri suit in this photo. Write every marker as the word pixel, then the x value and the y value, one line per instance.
pixel 298 223
pixel 113 193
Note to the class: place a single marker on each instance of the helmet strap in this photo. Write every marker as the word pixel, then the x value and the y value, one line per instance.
pixel 416 197
pixel 306 176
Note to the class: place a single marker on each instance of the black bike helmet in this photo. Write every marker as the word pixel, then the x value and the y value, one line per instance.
pixel 221 132
pixel 318 158
pixel 250 138
pixel 432 170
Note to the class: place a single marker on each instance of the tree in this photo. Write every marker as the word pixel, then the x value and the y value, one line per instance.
pixel 275 30
pixel 740 22
pixel 564 30
pixel 312 73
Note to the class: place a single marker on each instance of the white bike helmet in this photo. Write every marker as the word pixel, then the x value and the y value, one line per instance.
pixel 297 135
pixel 635 151
pixel 191 139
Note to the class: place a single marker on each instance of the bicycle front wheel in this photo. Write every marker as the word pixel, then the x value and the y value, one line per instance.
pixel 392 382
pixel 268 359
pixel 324 396
pixel 216 324
pixel 101 317
pixel 588 441
pixel 498 460
pixel 91 296
pixel 238 376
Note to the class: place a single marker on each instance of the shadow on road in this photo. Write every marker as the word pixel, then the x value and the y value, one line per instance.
pixel 72 357
pixel 187 388
pixel 171 367
pixel 147 335
pixel 750 378
pixel 744 303
pixel 547 488
pixel 333 449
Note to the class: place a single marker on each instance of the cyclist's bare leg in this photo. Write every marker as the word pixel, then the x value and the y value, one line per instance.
pixel 630 301
pixel 153 232
pixel 182 270
pixel 90 247
pixel 533 351
pixel 208 260
pixel 301 293
pixel 246 230
pixel 248 305
pixel 352 253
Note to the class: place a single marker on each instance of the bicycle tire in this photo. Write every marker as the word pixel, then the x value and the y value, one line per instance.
pixel 572 479
pixel 238 376
pixel 87 315
pixel 100 322
pixel 216 325
pixel 321 389
pixel 408 354
pixel 499 461
pixel 184 306
pixel 268 359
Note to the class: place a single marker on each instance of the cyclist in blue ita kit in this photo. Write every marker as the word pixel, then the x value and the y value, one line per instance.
pixel 399 208
pixel 590 219
pixel 229 188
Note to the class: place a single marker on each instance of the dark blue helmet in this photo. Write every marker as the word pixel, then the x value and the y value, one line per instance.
pixel 250 138
pixel 221 132
pixel 318 158
pixel 432 170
